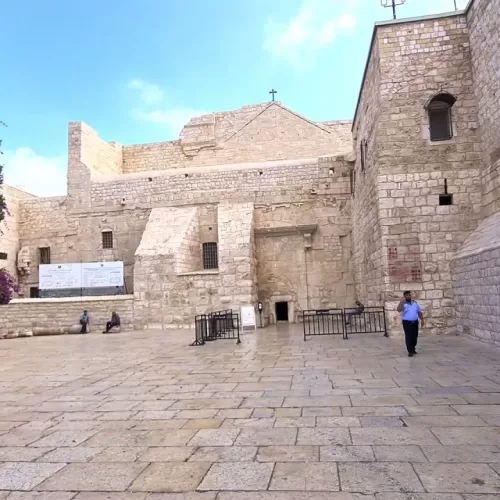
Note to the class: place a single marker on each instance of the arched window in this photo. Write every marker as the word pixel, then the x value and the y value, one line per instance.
pixel 210 257
pixel 439 111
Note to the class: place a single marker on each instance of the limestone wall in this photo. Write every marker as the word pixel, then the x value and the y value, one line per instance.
pixel 9 228
pixel 483 19
pixel 169 291
pixel 417 60
pixel 261 133
pixel 77 237
pixel 369 261
pixel 22 315
pixel 476 281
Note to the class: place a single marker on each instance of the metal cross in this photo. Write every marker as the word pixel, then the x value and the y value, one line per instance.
pixel 393 4
pixel 272 91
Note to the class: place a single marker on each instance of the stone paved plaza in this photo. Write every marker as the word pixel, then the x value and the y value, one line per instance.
pixel 142 416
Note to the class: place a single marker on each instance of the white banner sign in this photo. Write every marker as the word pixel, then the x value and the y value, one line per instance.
pixel 86 275
pixel 248 316
pixel 102 274
pixel 57 276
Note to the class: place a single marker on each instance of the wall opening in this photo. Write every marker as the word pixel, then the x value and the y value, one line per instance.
pixel 44 255
pixel 446 199
pixel 34 292
pixel 281 311
pixel 107 239
pixel 210 256
pixel 3 256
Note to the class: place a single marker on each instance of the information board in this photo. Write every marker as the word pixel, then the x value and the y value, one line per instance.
pixel 248 317
pixel 85 275
pixel 102 274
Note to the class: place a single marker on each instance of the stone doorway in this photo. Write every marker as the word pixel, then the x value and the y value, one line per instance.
pixel 281 309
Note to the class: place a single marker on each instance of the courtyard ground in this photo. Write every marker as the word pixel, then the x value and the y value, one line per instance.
pixel 143 416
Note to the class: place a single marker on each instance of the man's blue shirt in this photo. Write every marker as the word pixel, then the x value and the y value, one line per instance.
pixel 410 311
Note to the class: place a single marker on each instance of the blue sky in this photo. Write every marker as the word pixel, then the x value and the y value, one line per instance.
pixel 136 71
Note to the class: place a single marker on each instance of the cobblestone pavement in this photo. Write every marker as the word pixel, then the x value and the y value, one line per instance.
pixel 142 416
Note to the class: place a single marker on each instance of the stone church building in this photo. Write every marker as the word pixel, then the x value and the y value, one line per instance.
pixel 261 204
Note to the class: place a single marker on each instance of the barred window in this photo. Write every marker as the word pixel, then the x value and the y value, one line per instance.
pixel 107 239
pixel 3 256
pixel 210 257
pixel 440 122
pixel 44 255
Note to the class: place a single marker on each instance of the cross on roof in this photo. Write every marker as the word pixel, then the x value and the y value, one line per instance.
pixel 272 91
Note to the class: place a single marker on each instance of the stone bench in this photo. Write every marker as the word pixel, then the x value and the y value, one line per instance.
pixel 114 329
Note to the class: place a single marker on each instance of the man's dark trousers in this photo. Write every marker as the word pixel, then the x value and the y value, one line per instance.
pixel 411 335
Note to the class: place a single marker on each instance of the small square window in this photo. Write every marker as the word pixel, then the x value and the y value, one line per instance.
pixel 446 199
pixel 44 255
pixel 107 239
pixel 210 257
pixel 34 292
pixel 3 256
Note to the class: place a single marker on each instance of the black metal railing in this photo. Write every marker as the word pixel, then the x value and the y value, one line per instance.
pixel 323 322
pixel 370 320
pixel 344 321
pixel 217 325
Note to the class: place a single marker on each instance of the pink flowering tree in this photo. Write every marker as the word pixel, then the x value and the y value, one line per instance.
pixel 8 286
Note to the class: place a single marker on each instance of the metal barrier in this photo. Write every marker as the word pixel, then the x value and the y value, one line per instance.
pixel 323 322
pixel 217 325
pixel 344 322
pixel 371 320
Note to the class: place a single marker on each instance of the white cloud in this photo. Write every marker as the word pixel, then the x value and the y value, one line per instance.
pixel 313 28
pixel 440 6
pixel 154 107
pixel 39 175
pixel 149 93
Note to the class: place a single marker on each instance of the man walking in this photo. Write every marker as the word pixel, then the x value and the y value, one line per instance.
pixel 411 313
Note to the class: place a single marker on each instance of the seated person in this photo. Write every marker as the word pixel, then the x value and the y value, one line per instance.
pixel 357 312
pixel 84 321
pixel 115 321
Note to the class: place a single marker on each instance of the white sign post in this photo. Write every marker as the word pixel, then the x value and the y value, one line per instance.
pixel 248 317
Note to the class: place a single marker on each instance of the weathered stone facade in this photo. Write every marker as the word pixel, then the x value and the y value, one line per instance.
pixel 311 214
pixel 27 315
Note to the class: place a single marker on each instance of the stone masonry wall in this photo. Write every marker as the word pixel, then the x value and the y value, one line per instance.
pixel 9 228
pixel 483 19
pixel 476 282
pixel 88 156
pixel 167 295
pixel 369 260
pixel 22 315
pixel 270 132
pixel 418 59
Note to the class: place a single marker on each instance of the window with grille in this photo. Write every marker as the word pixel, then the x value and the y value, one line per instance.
pixel 44 255
pixel 3 256
pixel 440 122
pixel 107 239
pixel 210 257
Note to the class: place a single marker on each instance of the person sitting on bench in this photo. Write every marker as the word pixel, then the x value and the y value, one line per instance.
pixel 84 321
pixel 115 321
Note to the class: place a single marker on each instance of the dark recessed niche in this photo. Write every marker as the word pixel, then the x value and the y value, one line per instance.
pixel 210 228
pixel 331 170
pixel 186 175
pixel 260 172
pixel 150 179
pixel 446 199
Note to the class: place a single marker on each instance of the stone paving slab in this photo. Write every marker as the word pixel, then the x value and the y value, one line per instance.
pixel 273 418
